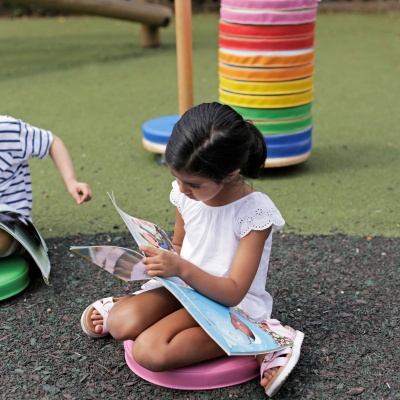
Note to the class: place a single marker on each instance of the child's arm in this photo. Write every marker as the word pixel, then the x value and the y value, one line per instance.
pixel 179 232
pixel 80 191
pixel 229 290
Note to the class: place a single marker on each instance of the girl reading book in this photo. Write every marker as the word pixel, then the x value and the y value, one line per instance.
pixel 223 235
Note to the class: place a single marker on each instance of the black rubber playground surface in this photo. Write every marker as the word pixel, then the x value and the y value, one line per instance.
pixel 341 291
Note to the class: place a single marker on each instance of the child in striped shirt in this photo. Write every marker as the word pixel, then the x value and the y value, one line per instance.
pixel 20 142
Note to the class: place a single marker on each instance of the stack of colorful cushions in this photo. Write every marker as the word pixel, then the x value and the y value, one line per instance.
pixel 266 69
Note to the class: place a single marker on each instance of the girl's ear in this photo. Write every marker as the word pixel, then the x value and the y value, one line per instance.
pixel 234 173
pixel 232 176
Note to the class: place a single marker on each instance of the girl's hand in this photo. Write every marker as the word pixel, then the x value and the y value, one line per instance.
pixel 161 262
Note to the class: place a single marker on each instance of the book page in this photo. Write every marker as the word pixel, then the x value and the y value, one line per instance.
pixel 144 232
pixel 25 233
pixel 125 264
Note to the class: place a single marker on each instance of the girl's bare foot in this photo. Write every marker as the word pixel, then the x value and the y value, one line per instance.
pixel 268 374
pixel 97 321
pixel 94 318
pixel 97 318
pixel 276 367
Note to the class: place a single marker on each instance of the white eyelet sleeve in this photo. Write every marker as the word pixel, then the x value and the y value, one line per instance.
pixel 176 196
pixel 258 213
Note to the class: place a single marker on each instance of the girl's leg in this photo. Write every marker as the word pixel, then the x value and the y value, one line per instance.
pixel 175 341
pixel 123 305
pixel 166 335
pixel 133 314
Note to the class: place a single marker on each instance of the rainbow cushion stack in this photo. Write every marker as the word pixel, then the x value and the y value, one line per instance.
pixel 266 71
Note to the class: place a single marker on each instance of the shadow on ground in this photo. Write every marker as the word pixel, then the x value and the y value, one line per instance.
pixel 341 291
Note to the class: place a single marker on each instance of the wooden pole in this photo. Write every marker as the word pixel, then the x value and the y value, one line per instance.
pixel 183 18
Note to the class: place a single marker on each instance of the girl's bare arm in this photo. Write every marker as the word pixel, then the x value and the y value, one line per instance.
pixel 179 232
pixel 229 290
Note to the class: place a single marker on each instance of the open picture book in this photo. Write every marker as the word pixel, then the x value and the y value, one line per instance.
pixel 234 332
pixel 24 232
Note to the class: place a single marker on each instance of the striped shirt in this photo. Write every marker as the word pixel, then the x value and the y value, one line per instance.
pixel 19 142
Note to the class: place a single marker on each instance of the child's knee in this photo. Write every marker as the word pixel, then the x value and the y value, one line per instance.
pixel 122 323
pixel 6 242
pixel 118 326
pixel 149 355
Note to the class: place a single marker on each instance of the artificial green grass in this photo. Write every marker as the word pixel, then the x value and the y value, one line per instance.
pixel 88 80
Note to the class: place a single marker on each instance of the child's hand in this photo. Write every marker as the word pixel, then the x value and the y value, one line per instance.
pixel 161 262
pixel 80 191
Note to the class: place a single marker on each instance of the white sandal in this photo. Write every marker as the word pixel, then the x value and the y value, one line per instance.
pixel 286 359
pixel 103 307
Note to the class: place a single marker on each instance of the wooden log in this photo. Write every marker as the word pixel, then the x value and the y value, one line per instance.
pixel 145 13
pixel 149 36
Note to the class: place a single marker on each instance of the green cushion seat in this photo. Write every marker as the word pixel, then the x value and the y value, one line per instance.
pixel 14 276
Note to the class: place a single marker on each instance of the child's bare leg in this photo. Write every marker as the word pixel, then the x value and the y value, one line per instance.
pixel 174 342
pixel 165 334
pixel 6 241
pixel 97 318
pixel 133 314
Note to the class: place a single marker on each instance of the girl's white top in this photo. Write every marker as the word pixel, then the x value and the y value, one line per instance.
pixel 212 236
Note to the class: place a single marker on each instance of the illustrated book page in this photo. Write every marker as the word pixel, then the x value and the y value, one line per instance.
pixel 144 232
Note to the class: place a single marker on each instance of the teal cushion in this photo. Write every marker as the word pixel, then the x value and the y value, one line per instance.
pixel 14 276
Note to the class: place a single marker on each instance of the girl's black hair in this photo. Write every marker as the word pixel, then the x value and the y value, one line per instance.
pixel 212 140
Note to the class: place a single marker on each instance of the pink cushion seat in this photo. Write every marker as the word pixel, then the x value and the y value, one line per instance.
pixel 220 372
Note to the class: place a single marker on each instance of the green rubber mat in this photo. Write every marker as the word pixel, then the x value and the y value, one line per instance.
pixel 14 276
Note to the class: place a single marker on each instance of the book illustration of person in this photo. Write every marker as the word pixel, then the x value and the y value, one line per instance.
pixel 223 238
pixel 241 326
pixel 279 338
pixel 163 240
pixel 151 239
pixel 153 234
pixel 145 225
